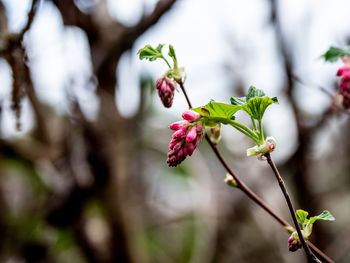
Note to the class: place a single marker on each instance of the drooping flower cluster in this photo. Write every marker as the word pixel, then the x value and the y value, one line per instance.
pixel 293 242
pixel 166 87
pixel 186 137
pixel 344 86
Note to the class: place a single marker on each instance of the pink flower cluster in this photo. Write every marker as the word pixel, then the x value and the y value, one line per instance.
pixel 344 87
pixel 293 242
pixel 186 137
pixel 166 87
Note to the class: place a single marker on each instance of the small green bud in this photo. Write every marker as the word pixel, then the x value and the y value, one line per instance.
pixel 230 181
pixel 267 147
pixel 215 134
pixel 178 74
pixel 289 229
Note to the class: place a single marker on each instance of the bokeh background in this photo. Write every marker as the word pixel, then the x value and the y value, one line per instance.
pixel 84 137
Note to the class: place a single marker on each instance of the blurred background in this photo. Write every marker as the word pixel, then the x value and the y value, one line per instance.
pixel 84 137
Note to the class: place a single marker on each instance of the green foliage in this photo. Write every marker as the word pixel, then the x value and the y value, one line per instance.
pixel 308 223
pixel 301 216
pixel 150 53
pixel 178 241
pixel 255 103
pixel 64 241
pixel 256 107
pixel 172 55
pixel 334 53
pixel 216 111
pixel 325 215
pixel 238 100
pixel 254 92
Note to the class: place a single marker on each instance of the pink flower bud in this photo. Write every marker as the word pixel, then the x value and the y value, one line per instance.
pixel 346 74
pixel 166 87
pixel 178 125
pixel 191 115
pixel 178 146
pixel 191 148
pixel 185 151
pixel 172 143
pixel 340 71
pixel 185 138
pixel 344 84
pixel 180 155
pixel 293 242
pixel 180 132
pixel 192 134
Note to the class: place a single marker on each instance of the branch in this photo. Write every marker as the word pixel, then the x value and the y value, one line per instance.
pixel 248 191
pixel 72 16
pixel 311 257
pixel 11 40
pixel 125 38
pixel 3 21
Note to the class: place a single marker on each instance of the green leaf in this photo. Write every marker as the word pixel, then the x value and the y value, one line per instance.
pixel 150 53
pixel 275 100
pixel 238 100
pixel 256 106
pixel 159 48
pixel 301 216
pixel 255 103
pixel 334 53
pixel 307 230
pixel 217 111
pixel 254 92
pixel 325 215
pixel 173 55
pixel 172 52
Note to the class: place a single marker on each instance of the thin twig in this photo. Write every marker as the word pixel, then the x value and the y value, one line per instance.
pixel 249 192
pixel 243 187
pixel 15 40
pixel 310 255
pixel 185 93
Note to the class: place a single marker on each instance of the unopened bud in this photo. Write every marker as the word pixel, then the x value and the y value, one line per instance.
pixel 166 87
pixel 190 115
pixel 344 84
pixel 215 134
pixel 229 180
pixel 179 74
pixel 289 229
pixel 267 147
pixel 293 242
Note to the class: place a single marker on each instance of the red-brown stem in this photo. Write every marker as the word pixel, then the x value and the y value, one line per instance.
pixel 310 255
pixel 243 187
pixel 185 93
pixel 249 192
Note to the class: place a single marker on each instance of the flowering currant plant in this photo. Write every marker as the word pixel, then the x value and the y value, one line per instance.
pixel 197 122
pixel 332 55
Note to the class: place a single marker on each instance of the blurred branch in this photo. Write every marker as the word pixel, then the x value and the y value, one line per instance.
pixel 3 23
pixel 109 40
pixel 72 16
pixel 14 53
pixel 125 37
pixel 12 40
